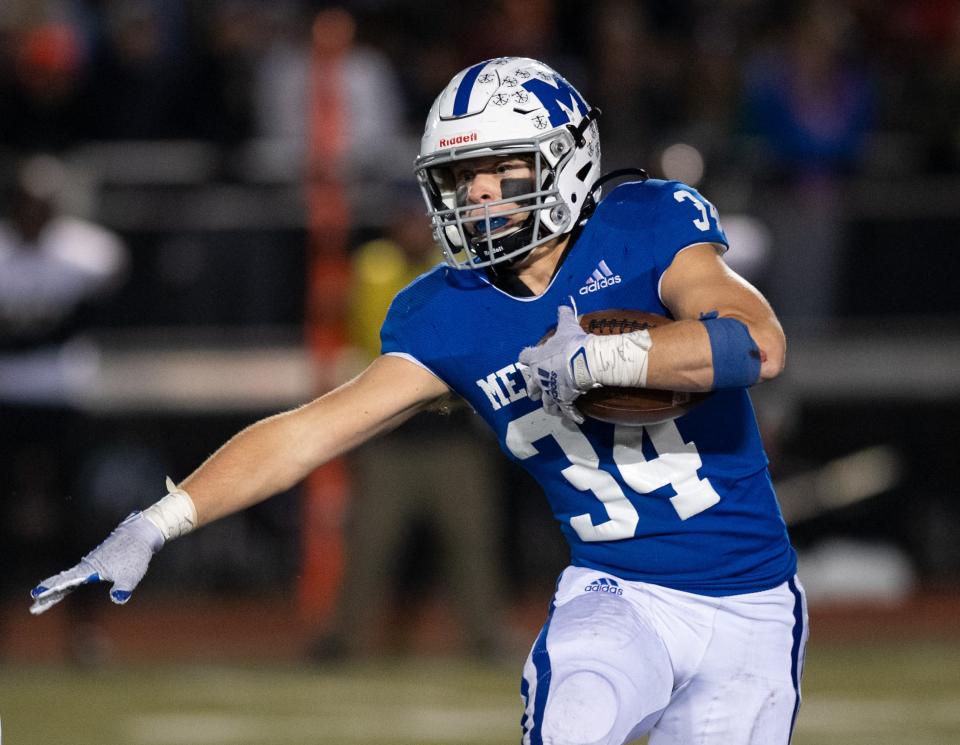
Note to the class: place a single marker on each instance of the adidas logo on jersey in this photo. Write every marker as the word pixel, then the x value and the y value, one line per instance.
pixel 601 277
pixel 604 585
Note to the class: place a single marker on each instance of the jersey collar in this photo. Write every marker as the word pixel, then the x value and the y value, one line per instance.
pixel 511 284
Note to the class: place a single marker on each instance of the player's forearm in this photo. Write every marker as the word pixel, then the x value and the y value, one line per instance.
pixel 679 358
pixel 685 356
pixel 265 458
pixel 276 453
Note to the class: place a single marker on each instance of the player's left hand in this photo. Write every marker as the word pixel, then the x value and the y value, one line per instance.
pixel 557 370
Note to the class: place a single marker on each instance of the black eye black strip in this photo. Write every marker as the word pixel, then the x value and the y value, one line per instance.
pixel 514 187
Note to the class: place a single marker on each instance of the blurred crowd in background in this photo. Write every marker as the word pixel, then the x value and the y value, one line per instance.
pixel 734 97
pixel 824 86
pixel 170 163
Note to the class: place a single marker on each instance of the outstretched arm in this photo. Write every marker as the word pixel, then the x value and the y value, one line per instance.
pixel 263 459
pixel 276 453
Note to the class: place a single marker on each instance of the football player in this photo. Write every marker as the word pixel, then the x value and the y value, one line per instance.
pixel 680 613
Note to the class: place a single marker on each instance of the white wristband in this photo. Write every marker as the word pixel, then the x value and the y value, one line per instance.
pixel 175 515
pixel 619 360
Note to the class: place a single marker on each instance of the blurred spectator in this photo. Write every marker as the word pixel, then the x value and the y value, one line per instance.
pixel 281 77
pixel 639 81
pixel 503 29
pixel 403 486
pixel 52 267
pixel 352 137
pixel 51 264
pixel 809 100
pixel 348 90
pixel 42 106
pixel 358 84
pixel 232 35
pixel 144 82
pixel 808 97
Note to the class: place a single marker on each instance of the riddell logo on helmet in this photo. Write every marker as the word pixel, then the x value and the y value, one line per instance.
pixel 458 139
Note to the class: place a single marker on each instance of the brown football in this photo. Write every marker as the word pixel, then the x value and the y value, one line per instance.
pixel 631 406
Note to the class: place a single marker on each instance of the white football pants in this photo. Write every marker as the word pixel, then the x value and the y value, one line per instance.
pixel 617 659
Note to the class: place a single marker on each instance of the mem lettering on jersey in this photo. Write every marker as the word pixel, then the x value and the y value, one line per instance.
pixel 503 387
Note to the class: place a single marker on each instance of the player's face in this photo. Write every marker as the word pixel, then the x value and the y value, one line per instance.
pixel 491 179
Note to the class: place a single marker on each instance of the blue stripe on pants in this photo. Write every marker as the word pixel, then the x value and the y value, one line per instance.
pixel 541 664
pixel 795 649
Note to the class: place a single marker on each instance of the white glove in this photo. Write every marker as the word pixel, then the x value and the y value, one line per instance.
pixel 122 559
pixel 557 371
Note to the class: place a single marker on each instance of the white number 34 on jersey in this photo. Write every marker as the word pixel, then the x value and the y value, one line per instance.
pixel 676 464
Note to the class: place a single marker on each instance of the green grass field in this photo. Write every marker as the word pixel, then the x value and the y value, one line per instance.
pixel 904 694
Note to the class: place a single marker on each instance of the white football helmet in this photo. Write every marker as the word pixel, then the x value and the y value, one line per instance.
pixel 510 106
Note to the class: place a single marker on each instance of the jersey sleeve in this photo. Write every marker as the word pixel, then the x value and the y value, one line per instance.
pixel 407 330
pixel 683 218
pixel 390 334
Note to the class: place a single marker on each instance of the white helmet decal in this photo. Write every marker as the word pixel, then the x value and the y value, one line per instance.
pixel 510 106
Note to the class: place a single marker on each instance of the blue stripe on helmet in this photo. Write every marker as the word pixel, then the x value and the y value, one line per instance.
pixel 795 650
pixel 462 101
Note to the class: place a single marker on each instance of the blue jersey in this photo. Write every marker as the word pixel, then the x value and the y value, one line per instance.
pixel 688 503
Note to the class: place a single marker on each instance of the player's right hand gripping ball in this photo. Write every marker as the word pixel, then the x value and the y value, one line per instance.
pixel 556 368
pixel 633 407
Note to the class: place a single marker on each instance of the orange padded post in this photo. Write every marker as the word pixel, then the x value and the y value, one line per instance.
pixel 327 490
